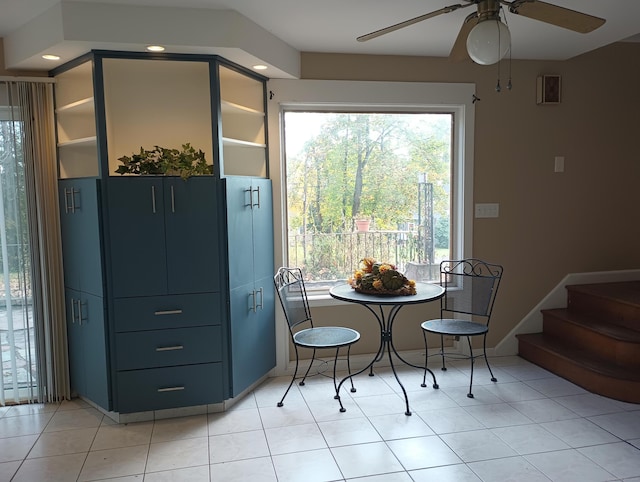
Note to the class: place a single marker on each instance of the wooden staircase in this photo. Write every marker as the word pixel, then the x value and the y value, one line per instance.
pixel 594 342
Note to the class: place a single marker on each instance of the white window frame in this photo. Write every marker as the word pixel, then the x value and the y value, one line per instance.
pixel 392 96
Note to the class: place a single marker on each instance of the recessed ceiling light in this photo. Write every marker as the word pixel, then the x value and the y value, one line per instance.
pixel 51 57
pixel 260 67
pixel 155 48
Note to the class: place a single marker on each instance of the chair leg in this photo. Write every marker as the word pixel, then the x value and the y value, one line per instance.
pixel 293 379
pixel 353 389
pixel 426 359
pixel 484 348
pixel 470 395
pixel 313 357
pixel 335 364
pixel 444 368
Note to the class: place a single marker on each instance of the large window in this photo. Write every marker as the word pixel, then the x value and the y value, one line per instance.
pixel 367 184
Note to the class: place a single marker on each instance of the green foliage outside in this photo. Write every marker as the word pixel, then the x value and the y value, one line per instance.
pixel 361 165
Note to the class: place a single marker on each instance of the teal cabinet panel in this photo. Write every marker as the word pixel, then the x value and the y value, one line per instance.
pixel 96 359
pixel 239 230
pixel 75 344
pixel 192 234
pixel 137 236
pixel 169 387
pixel 263 229
pixel 80 228
pixel 253 347
pixel 251 298
pixel 164 234
pixel 172 311
pixel 88 360
pixel 162 348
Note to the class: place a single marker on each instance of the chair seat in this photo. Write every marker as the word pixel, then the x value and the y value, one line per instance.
pixel 454 327
pixel 326 337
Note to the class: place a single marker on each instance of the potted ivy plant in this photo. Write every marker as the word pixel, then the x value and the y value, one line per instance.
pixel 162 161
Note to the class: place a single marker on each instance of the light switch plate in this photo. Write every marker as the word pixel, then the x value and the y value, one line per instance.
pixel 487 210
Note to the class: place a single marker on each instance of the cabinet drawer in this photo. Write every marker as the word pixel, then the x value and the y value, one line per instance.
pixel 164 348
pixel 174 311
pixel 160 388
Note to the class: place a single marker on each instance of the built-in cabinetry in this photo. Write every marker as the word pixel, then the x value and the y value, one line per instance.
pixel 160 310
pixel 250 237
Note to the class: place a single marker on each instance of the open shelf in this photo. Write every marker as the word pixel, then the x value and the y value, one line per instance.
pixel 229 142
pixel 82 106
pixel 83 141
pixel 232 108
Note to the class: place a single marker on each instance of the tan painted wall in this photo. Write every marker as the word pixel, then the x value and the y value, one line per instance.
pixel 550 224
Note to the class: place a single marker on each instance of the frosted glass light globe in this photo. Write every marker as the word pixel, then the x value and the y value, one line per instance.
pixel 488 42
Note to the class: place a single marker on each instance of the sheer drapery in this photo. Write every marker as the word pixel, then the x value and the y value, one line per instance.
pixel 35 366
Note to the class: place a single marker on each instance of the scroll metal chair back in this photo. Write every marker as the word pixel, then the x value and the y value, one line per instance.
pixel 291 291
pixel 471 286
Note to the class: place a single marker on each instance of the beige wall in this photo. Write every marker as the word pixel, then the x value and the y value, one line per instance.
pixel 551 224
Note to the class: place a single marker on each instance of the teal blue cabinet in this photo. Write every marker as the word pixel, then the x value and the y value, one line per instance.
pixel 84 289
pixel 251 296
pixel 88 360
pixel 163 235
pixel 81 238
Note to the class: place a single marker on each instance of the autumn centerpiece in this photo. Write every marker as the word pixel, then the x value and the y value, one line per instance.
pixel 376 278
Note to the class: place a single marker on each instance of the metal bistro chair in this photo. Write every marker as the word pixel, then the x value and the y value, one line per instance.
pixel 470 287
pixel 293 297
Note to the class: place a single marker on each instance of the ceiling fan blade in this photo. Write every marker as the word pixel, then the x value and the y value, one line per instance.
pixel 406 23
pixel 459 51
pixel 555 15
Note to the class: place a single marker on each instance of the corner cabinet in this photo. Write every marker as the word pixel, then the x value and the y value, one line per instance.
pixel 168 282
pixel 252 296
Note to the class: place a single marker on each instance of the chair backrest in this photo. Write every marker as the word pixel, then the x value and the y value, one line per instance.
pixel 293 296
pixel 470 287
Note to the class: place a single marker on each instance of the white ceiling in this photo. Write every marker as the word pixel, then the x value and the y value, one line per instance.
pixel 333 25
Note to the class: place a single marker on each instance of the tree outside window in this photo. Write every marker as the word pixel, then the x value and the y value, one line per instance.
pixel 390 169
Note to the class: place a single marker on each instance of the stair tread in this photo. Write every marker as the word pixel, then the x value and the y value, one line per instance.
pixel 599 325
pixel 579 356
pixel 627 292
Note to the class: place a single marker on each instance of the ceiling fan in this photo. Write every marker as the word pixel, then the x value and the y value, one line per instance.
pixel 485 38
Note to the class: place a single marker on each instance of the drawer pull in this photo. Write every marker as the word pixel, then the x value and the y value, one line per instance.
pixel 170 389
pixel 169 348
pixel 168 312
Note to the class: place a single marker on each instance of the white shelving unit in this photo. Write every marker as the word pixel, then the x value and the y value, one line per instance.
pixel 243 125
pixel 76 123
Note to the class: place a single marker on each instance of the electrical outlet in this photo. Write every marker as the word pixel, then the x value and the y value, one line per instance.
pixel 487 210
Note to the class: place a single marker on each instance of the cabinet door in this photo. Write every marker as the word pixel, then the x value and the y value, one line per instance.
pixel 239 231
pixel 262 229
pixel 192 235
pixel 252 334
pixel 88 360
pixel 80 227
pixel 137 236
pixel 75 343
pixel 91 315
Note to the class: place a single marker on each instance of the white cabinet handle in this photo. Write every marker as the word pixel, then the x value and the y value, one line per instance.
pixel 170 389
pixel 169 348
pixel 80 312
pixel 167 312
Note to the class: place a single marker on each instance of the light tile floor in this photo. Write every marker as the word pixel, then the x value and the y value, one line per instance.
pixel 529 426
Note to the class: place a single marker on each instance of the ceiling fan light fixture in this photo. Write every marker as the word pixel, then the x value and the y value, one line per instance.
pixel 488 42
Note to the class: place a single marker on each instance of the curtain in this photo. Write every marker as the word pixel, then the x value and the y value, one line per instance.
pixel 29 181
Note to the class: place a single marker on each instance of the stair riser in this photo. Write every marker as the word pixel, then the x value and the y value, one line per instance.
pixel 619 313
pixel 616 351
pixel 625 390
